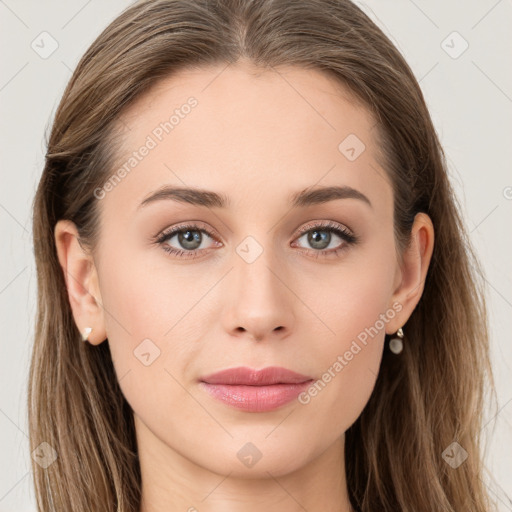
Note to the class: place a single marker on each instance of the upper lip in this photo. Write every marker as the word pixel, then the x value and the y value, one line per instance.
pixel 243 375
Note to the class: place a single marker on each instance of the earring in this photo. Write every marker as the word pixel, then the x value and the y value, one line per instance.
pixel 396 343
pixel 86 333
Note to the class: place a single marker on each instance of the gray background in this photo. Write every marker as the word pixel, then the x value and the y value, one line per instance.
pixel 470 100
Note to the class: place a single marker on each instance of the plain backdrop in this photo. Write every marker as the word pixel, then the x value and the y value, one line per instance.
pixel 459 51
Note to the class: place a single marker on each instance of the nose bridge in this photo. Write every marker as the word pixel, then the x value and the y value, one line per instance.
pixel 255 270
pixel 259 301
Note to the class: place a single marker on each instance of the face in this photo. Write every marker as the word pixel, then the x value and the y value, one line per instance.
pixel 306 282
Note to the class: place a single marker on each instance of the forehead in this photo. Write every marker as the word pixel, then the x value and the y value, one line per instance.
pixel 250 133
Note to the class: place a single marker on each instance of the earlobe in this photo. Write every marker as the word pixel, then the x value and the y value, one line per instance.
pixel 413 270
pixel 81 279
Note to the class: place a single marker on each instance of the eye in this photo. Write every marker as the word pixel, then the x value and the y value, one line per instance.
pixel 189 239
pixel 319 236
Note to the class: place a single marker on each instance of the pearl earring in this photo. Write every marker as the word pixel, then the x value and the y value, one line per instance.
pixel 86 333
pixel 396 344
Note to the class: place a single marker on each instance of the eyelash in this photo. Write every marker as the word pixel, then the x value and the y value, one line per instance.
pixel 348 238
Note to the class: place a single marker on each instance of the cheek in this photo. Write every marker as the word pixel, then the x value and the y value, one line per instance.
pixel 348 346
pixel 348 300
pixel 138 310
pixel 153 315
pixel 137 316
pixel 145 296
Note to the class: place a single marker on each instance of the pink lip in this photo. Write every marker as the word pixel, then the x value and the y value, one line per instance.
pixel 255 390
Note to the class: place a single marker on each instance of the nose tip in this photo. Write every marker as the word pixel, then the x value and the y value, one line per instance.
pixel 258 304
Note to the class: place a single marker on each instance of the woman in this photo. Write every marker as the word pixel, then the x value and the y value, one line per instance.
pixel 237 215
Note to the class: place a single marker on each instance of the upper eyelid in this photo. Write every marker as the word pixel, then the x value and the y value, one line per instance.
pixel 193 226
pixel 326 224
pixel 198 226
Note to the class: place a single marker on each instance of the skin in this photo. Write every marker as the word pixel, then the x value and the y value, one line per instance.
pixel 257 137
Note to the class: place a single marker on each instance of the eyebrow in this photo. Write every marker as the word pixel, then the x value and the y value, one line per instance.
pixel 210 199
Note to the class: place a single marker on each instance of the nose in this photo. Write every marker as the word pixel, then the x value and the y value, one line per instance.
pixel 259 303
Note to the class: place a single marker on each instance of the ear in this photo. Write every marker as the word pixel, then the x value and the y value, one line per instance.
pixel 412 272
pixel 81 281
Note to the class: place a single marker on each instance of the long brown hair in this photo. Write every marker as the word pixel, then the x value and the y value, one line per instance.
pixel 423 401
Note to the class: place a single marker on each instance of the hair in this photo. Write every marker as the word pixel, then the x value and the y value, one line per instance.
pixel 431 395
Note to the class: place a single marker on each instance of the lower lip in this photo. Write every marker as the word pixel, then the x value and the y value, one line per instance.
pixel 256 398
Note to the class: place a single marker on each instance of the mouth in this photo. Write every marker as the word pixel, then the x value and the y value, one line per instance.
pixel 255 390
